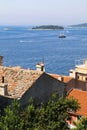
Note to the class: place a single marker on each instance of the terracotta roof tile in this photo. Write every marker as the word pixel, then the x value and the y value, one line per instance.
pixel 54 76
pixel 82 99
pixel 18 79
pixel 65 78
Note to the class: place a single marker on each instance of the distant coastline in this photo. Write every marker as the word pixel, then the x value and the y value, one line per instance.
pixel 48 27
pixel 80 25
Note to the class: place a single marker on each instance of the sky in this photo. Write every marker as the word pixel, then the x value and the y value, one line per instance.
pixel 43 12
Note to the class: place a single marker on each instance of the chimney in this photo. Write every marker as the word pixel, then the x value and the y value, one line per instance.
pixel 61 78
pixel 3 89
pixel 72 73
pixel 1 60
pixel 40 66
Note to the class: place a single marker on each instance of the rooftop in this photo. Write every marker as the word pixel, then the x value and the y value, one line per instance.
pixel 63 78
pixel 81 96
pixel 82 63
pixel 19 80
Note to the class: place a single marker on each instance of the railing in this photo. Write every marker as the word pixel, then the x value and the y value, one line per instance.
pixel 80 62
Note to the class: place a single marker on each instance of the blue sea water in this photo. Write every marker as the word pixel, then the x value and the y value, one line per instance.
pixel 26 47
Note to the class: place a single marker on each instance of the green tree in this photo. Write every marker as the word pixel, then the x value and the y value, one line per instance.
pixel 28 116
pixel 53 116
pixel 11 119
pixel 72 104
pixel 82 124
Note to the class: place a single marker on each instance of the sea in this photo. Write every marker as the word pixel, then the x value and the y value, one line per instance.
pixel 22 46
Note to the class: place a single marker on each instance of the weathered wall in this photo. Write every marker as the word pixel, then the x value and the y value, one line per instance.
pixel 5 101
pixel 81 85
pixel 70 85
pixel 74 83
pixel 42 90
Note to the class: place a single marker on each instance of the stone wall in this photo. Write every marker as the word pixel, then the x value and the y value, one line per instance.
pixel 82 85
pixel 76 84
pixel 42 90
pixel 5 101
pixel 70 85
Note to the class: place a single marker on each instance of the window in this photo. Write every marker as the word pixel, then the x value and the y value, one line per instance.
pixel 86 79
pixel 77 77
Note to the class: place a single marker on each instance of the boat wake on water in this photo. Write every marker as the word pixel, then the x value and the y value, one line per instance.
pixel 24 41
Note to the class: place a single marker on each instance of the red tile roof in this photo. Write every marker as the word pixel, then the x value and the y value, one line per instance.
pixel 65 78
pixel 54 76
pixel 81 96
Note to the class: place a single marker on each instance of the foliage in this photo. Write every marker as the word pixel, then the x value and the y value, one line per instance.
pixel 72 104
pixel 82 125
pixel 11 119
pixel 28 116
pixel 51 116
pixel 48 27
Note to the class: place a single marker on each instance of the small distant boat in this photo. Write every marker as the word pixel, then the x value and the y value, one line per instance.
pixel 62 36
pixel 6 29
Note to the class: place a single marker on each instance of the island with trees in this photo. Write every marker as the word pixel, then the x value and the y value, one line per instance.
pixel 46 27
pixel 80 25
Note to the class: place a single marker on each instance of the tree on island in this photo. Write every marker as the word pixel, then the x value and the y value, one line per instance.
pixel 54 27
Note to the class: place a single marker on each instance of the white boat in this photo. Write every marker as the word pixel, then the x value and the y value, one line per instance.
pixel 62 36
pixel 6 29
